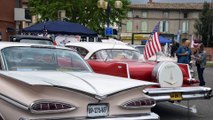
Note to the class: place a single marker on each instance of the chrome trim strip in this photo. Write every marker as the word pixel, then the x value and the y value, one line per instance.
pixel 190 76
pixel 145 116
pixel 50 111
pixel 1 117
pixel 14 102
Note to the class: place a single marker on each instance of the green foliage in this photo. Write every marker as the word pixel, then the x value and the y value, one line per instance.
pixel 204 24
pixel 84 12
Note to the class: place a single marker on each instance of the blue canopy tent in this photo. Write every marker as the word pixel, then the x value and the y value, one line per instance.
pixel 162 40
pixel 60 27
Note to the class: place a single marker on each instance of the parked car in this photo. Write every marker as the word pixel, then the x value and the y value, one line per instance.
pixel 42 82
pixel 175 80
pixel 160 56
pixel 31 39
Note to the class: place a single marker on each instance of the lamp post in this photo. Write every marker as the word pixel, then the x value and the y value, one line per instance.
pixel 106 6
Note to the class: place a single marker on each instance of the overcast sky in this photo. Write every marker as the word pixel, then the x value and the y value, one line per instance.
pixel 174 1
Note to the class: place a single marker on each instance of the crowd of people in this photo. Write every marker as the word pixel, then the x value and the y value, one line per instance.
pixel 185 55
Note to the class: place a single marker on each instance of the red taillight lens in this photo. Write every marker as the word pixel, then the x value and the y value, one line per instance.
pixel 139 103
pixel 50 107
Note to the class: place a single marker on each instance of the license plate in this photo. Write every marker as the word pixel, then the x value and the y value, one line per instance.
pixel 97 110
pixel 175 96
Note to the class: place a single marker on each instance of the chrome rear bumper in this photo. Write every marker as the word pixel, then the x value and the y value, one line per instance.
pixel 188 93
pixel 151 116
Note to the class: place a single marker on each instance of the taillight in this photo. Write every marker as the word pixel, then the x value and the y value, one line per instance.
pixel 139 103
pixel 50 107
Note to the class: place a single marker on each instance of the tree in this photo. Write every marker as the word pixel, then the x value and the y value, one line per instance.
pixel 84 12
pixel 204 25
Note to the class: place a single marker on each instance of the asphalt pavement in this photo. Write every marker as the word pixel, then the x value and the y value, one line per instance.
pixel 199 109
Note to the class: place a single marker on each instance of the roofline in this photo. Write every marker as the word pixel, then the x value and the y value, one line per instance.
pixel 165 9
pixel 148 7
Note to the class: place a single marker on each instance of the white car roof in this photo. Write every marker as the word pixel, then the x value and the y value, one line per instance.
pixel 11 44
pixel 96 46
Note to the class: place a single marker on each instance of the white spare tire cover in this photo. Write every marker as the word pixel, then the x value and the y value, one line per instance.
pixel 168 74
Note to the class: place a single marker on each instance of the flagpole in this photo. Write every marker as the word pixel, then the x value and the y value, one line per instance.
pixel 156 57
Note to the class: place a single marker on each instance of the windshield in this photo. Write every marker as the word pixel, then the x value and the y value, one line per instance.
pixel 40 58
pixel 116 55
pixel 47 42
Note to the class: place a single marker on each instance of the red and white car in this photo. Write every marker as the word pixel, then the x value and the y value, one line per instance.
pixel 175 81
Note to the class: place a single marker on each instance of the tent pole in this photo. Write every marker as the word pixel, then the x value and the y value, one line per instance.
pixel 87 39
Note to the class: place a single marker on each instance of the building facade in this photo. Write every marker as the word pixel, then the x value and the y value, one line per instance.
pixel 173 18
pixel 7 23
pixel 14 16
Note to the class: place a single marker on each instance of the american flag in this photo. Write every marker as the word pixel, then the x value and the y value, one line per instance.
pixel 153 44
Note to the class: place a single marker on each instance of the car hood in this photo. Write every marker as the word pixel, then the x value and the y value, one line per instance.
pixel 91 83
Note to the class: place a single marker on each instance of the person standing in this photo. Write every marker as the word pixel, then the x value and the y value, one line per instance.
pixel 174 48
pixel 200 61
pixel 184 52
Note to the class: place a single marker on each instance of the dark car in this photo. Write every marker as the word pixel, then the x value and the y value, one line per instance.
pixel 31 39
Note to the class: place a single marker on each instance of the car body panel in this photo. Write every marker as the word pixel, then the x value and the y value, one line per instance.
pixel 27 91
pixel 90 83
pixel 27 94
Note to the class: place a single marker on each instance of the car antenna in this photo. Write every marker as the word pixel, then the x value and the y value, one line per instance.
pixel 111 51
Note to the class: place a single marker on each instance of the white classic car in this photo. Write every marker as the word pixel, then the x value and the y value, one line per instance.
pixel 175 80
pixel 40 82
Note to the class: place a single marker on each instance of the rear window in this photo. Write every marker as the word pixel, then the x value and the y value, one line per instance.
pixel 38 58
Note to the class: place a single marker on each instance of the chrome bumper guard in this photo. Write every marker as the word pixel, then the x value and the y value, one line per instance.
pixel 151 116
pixel 188 93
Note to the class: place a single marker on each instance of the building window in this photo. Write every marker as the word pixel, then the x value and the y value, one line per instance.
pixel 144 14
pixel 129 26
pixel 165 14
pixel 185 15
pixel 164 26
pixel 136 14
pixel 144 26
pixel 129 14
pixel 185 27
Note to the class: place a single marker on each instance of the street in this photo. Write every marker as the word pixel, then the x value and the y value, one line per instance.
pixel 203 111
